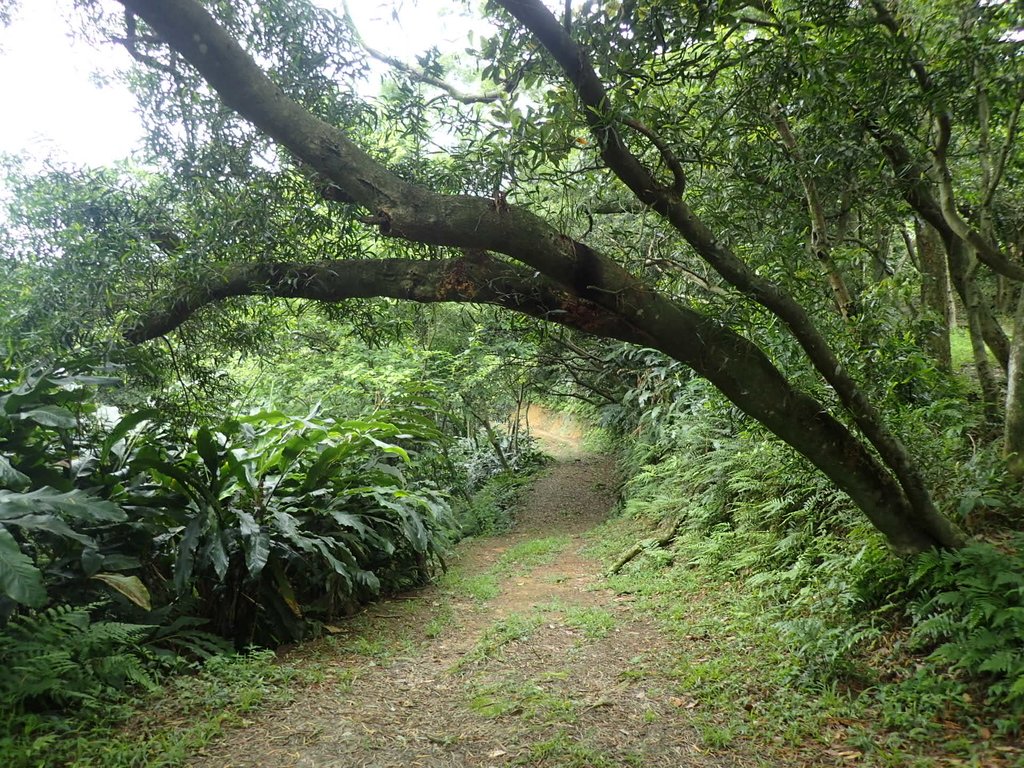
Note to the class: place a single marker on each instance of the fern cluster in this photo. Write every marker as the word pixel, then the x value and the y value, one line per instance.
pixel 971 614
pixel 60 658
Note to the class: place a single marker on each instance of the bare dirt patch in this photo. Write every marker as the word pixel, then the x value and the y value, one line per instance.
pixel 544 673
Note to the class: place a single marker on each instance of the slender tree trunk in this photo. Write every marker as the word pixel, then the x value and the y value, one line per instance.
pixel 821 244
pixel 934 291
pixel 881 253
pixel 1013 435
pixel 962 264
pixel 962 267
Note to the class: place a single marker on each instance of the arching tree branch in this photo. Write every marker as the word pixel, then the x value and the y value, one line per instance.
pixel 601 119
pixel 478 279
pixel 401 209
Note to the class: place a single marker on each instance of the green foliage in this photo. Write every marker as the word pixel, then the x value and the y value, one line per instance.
pixel 752 512
pixel 162 728
pixel 489 508
pixel 280 517
pixel 970 612
pixel 513 628
pixel 55 525
pixel 260 523
pixel 61 658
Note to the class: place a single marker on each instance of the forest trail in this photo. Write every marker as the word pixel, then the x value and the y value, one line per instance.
pixel 517 657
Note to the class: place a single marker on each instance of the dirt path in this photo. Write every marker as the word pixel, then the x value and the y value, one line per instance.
pixel 517 658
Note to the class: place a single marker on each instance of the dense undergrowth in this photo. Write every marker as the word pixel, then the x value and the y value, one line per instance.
pixel 909 646
pixel 134 549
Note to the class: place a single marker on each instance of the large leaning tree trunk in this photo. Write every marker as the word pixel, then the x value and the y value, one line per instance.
pixel 564 280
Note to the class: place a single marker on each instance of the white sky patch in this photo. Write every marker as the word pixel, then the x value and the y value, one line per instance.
pixel 52 107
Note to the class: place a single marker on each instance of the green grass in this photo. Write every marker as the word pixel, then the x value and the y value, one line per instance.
pixel 961 353
pixel 753 684
pixel 530 554
pixel 513 628
pixel 564 751
pixel 159 730
pixel 593 622
pixel 526 699
pixel 443 618
pixel 480 587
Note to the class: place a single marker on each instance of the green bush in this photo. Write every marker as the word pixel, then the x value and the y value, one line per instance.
pixel 970 613
pixel 489 509
pixel 60 658
pixel 261 524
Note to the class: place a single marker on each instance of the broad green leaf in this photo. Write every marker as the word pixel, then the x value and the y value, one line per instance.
pixel 395 450
pixel 257 554
pixel 322 467
pixel 74 381
pixel 185 561
pixel 215 552
pixel 126 425
pixel 285 590
pixel 92 561
pixel 49 416
pixel 187 483
pixel 412 522
pixel 348 520
pixel 343 569
pixel 369 580
pixel 121 562
pixel 50 524
pixel 129 586
pixel 208 450
pixel 12 478
pixel 255 542
pixel 20 580
pixel 74 504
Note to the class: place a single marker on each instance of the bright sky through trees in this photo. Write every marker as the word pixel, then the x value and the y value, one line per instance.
pixel 56 109
pixel 53 105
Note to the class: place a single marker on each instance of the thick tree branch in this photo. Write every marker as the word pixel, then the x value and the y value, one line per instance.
pixel 477 279
pixel 916 189
pixel 988 253
pixel 986 250
pixel 996 175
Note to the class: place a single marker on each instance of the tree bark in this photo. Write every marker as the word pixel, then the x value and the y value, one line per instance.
pixel 1013 434
pixel 934 291
pixel 916 190
pixel 577 285
pixel 821 243
pixel 961 262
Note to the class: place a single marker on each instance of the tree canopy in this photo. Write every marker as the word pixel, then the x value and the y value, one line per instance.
pixel 752 188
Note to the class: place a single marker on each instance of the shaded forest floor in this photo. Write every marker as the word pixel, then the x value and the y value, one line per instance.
pixel 524 654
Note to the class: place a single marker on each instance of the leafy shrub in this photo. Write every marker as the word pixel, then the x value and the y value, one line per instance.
pixel 279 519
pixel 971 613
pixel 57 531
pixel 260 523
pixel 489 509
pixel 61 658
pixel 481 460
